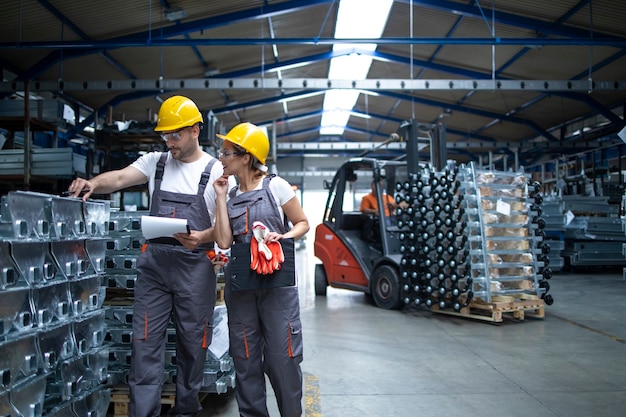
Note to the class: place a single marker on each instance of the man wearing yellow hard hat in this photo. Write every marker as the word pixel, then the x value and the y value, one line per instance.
pixel 174 273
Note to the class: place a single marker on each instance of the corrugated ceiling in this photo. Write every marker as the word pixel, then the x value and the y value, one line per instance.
pixel 509 117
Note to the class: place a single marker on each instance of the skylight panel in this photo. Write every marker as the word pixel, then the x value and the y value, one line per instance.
pixel 355 19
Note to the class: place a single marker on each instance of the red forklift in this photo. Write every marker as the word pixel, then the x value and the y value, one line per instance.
pixel 363 252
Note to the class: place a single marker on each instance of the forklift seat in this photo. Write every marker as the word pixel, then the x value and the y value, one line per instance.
pixel 352 221
pixel 370 228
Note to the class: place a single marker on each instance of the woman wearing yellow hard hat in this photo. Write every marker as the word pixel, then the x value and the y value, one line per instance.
pixel 261 293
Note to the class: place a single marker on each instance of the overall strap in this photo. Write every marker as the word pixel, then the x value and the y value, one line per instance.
pixel 206 174
pixel 266 186
pixel 233 192
pixel 158 175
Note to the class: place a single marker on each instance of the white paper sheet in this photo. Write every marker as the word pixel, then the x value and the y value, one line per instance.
pixel 153 227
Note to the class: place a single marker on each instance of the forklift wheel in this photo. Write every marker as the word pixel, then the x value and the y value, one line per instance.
pixel 386 287
pixel 320 280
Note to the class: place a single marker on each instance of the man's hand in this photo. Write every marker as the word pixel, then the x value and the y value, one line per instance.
pixel 80 187
pixel 190 240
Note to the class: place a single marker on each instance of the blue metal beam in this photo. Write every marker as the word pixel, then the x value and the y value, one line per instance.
pixel 606 112
pixel 318 113
pixel 95 46
pixel 292 118
pixel 404 60
pixel 284 65
pixel 299 132
pixel 261 102
pixel 453 29
pixel 399 96
pixel 560 20
pixel 483 113
pixel 540 26
pixel 112 103
pixel 173 31
pixel 64 20
pixel 575 96
pixel 195 50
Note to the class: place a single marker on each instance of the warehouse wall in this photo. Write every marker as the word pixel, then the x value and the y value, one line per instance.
pixel 317 170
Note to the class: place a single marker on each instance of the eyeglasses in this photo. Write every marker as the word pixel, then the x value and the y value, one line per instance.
pixel 175 135
pixel 222 153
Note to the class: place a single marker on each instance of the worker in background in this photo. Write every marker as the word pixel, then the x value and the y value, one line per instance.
pixel 175 277
pixel 369 203
pixel 263 309
pixel 369 207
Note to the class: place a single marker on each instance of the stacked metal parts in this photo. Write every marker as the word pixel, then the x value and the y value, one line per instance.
pixel 508 255
pixel 584 231
pixel 122 251
pixel 53 357
pixel 554 216
pixel 471 236
pixel 434 246
pixel 593 232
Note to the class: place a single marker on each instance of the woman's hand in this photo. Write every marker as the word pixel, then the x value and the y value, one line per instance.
pixel 221 185
pixel 272 237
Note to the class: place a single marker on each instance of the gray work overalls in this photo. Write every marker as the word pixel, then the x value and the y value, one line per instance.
pixel 264 324
pixel 172 282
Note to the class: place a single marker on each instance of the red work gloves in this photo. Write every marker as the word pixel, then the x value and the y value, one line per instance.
pixel 218 259
pixel 265 257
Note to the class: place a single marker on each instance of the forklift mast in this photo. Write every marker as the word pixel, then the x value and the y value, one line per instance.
pixel 424 135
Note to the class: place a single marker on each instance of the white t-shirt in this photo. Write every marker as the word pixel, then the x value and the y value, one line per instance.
pixel 181 177
pixel 280 188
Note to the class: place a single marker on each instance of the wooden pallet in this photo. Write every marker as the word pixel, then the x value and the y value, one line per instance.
pixel 517 306
pixel 219 299
pixel 125 297
pixel 120 398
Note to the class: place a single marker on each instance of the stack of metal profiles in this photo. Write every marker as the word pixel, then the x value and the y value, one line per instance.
pixel 553 214
pixel 53 357
pixel 123 248
pixel 593 232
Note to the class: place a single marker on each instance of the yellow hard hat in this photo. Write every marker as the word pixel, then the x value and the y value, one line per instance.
pixel 250 137
pixel 177 112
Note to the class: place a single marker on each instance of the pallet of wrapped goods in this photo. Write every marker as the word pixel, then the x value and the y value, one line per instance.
pixel 507 255
pixel 516 307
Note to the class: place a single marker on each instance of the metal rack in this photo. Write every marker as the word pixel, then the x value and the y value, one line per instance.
pixel 53 357
pixel 505 235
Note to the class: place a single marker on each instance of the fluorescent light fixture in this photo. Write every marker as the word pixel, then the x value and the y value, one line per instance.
pixel 175 13
pixel 300 97
pixel 361 115
pixel 291 66
pixel 355 19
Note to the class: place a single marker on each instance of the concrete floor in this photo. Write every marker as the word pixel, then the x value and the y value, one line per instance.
pixel 364 361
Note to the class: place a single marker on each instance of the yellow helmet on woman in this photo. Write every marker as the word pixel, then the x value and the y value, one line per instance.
pixel 250 137
pixel 177 112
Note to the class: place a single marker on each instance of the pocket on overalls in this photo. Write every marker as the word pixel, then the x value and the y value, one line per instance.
pixel 238 342
pixel 295 345
pixel 166 211
pixel 239 220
